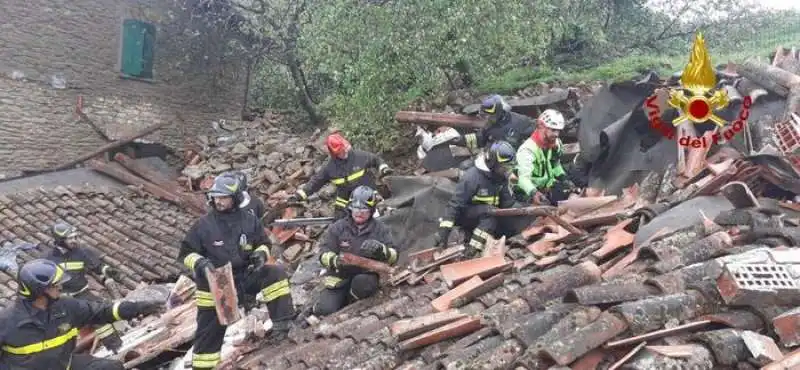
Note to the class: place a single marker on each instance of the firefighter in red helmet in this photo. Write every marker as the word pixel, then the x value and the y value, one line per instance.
pixel 346 169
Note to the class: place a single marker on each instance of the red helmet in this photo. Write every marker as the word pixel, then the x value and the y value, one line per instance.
pixel 337 145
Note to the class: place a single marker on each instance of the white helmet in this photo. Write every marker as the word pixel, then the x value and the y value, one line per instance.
pixel 552 119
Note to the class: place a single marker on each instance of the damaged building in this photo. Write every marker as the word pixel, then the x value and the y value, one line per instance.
pixel 76 75
pixel 678 258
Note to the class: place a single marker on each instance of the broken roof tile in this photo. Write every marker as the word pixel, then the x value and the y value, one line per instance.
pixel 139 250
pixel 580 342
pixel 454 329
pixel 608 293
pixel 456 273
pixel 652 313
pixel 726 345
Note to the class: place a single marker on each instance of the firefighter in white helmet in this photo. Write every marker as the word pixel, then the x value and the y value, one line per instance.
pixel 541 177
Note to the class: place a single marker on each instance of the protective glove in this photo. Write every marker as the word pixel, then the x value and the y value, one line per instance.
pixel 200 267
pixel 540 198
pixel 109 283
pixel 374 249
pixel 113 273
pixel 258 259
pixel 386 171
pixel 441 237
pixel 294 198
pixel 336 262
pixel 144 308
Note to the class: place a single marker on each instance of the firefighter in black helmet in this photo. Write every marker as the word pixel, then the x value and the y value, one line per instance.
pixel 250 202
pixel 360 234
pixel 78 261
pixel 483 187
pixel 39 331
pixel 229 234
pixel 503 125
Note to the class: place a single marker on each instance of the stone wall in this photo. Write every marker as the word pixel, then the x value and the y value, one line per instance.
pixel 78 42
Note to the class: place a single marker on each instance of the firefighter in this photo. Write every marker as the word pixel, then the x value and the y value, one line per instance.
pixel 250 203
pixel 78 260
pixel 346 169
pixel 360 234
pixel 229 234
pixel 541 176
pixel 39 331
pixel 503 124
pixel 483 187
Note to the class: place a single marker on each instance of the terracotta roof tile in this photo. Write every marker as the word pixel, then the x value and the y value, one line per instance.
pixel 139 235
pixel 562 313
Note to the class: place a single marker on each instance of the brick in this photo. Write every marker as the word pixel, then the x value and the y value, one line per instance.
pixel 787 326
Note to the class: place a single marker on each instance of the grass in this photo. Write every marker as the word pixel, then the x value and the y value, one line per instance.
pixel 628 67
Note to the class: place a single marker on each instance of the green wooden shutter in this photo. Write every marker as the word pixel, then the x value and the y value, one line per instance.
pixel 148 47
pixel 138 41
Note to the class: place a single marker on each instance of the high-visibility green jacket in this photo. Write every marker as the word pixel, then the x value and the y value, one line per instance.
pixel 538 169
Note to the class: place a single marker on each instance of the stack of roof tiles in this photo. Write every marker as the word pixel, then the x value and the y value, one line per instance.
pixel 714 295
pixel 136 233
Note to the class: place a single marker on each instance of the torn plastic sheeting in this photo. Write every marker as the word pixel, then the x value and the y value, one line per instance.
pixel 608 105
pixel 683 215
pixel 421 202
pixel 440 158
pixel 613 124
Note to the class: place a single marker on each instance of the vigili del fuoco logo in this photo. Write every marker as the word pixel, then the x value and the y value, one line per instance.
pixel 697 101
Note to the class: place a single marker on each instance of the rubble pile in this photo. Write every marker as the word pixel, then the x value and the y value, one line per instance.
pixel 714 289
pixel 273 159
pixel 693 267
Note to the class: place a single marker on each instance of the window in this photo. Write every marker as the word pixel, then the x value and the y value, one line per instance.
pixel 138 41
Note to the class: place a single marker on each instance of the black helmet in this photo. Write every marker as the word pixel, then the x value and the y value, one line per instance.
pixel 36 276
pixel 239 175
pixel 500 154
pixel 225 186
pixel 494 106
pixel 61 231
pixel 363 197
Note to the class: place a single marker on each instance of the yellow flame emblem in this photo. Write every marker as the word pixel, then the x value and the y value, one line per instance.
pixel 698 100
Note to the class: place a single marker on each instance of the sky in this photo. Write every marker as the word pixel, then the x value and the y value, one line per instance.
pixel 781 4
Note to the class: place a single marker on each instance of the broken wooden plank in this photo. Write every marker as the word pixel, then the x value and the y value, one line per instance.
pixel 110 146
pixel 366 263
pixel 440 119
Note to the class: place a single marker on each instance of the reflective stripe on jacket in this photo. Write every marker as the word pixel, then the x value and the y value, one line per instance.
pixel 538 169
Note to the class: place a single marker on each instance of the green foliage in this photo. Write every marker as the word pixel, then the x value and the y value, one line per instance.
pixel 365 60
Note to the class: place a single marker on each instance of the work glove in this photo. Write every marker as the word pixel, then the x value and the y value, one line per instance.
pixel 200 267
pixel 336 262
pixel 540 198
pixel 109 283
pixel 113 273
pixel 440 240
pixel 386 171
pixel 294 198
pixel 258 259
pixel 374 249
pixel 144 308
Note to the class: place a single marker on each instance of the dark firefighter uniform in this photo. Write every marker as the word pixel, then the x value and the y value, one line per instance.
pixel 360 234
pixel 504 124
pixel 346 169
pixel 231 236
pixel 77 261
pixel 482 187
pixel 33 338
